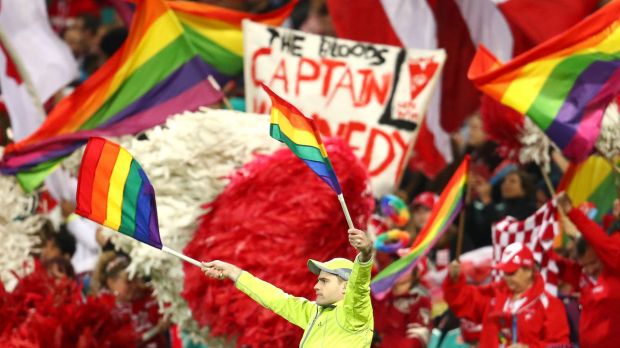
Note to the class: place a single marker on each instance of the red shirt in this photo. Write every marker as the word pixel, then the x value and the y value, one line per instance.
pixel 536 319
pixel 599 325
pixel 393 313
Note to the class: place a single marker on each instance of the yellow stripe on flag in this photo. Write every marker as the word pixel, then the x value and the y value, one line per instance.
pixel 117 187
pixel 297 135
pixel 219 32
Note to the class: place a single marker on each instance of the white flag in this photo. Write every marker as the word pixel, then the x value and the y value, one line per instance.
pixel 44 57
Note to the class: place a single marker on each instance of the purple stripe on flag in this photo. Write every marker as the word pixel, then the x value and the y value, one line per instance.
pixel 588 85
pixel 48 149
pixel 581 145
pixel 146 218
pixel 186 76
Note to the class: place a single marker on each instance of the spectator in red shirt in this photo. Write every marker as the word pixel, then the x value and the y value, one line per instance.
pixel 599 258
pixel 403 317
pixel 515 312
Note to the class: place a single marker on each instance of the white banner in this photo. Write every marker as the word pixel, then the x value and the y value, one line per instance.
pixel 372 96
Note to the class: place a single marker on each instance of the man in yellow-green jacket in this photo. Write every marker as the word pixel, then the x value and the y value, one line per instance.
pixel 340 317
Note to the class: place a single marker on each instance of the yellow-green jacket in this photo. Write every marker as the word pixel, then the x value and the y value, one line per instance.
pixel 347 323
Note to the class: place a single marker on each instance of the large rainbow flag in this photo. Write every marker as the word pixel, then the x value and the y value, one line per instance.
pixel 302 136
pixel 216 32
pixel 114 191
pixel 592 180
pixel 445 211
pixel 564 84
pixel 156 73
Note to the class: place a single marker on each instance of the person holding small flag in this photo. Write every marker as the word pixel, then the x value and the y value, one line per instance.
pixel 341 315
pixel 516 312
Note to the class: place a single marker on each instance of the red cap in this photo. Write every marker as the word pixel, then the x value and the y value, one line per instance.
pixel 427 199
pixel 515 256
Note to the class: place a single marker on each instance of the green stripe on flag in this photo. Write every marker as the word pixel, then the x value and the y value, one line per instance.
pixel 133 184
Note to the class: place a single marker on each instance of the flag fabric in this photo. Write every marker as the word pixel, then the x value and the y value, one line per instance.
pixel 506 27
pixel 217 35
pixel 114 191
pixel 592 180
pixel 25 116
pixel 537 232
pixel 444 212
pixel 301 135
pixel 29 41
pixel 564 84
pixel 157 73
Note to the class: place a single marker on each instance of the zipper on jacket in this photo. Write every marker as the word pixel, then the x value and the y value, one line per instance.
pixel 310 328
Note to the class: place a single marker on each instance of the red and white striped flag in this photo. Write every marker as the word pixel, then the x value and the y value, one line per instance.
pixel 537 232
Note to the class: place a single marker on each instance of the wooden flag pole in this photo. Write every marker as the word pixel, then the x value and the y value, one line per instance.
pixel 343 204
pixel 181 256
pixel 219 88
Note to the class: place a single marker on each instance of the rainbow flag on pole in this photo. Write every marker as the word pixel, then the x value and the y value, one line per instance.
pixel 157 73
pixel 592 180
pixel 445 211
pixel 114 191
pixel 564 84
pixel 301 135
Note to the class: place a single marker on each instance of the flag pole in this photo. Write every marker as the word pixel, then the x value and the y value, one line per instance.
pixel 459 240
pixel 219 88
pixel 343 204
pixel 181 256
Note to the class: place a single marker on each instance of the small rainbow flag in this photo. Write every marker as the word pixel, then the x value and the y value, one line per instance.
pixel 564 84
pixel 114 191
pixel 592 180
pixel 445 211
pixel 301 135
pixel 216 31
pixel 155 74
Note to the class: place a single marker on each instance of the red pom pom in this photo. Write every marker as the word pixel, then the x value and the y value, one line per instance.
pixel 503 125
pixel 275 215
pixel 46 312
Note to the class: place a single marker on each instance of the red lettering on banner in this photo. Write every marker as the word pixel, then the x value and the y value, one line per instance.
pixel 364 140
pixel 370 87
pixel 259 52
pixel 374 133
pixel 403 152
pixel 316 69
pixel 349 129
pixel 327 80
pixel 280 74
pixel 341 84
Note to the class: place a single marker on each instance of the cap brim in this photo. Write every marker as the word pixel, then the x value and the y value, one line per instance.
pixel 507 267
pixel 316 267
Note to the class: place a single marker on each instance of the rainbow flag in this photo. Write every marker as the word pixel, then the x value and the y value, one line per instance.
pixel 216 31
pixel 592 180
pixel 564 84
pixel 445 211
pixel 156 73
pixel 301 135
pixel 114 191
